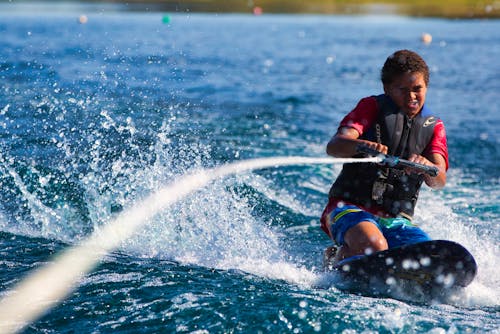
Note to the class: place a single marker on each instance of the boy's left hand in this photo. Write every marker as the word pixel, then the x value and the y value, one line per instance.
pixel 419 160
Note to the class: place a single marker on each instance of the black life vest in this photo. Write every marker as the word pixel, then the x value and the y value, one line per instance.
pixel 369 184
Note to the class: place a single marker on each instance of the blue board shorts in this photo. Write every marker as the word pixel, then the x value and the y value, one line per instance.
pixel 397 231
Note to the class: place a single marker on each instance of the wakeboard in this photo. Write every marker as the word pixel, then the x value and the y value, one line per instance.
pixel 431 268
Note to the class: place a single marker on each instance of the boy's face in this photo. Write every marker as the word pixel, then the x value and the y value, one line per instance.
pixel 408 92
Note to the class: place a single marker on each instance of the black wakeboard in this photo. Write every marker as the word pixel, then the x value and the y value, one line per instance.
pixel 430 268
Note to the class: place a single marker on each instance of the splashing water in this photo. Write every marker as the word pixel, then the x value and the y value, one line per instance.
pixel 199 230
pixel 30 300
pixel 442 223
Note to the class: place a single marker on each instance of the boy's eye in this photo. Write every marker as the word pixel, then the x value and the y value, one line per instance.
pixel 404 90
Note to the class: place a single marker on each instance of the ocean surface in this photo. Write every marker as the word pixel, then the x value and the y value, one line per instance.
pixel 95 117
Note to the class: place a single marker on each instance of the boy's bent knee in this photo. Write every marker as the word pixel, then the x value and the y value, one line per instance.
pixel 365 238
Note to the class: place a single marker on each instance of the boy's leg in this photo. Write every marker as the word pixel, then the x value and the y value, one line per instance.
pixel 363 238
pixel 355 231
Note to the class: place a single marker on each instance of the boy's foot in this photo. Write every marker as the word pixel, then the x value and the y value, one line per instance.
pixel 329 257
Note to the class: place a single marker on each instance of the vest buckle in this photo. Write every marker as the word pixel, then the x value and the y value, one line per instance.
pixel 378 190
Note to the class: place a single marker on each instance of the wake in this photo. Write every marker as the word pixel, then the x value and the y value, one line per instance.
pixel 49 285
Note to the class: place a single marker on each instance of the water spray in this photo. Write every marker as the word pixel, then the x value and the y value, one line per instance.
pixel 48 285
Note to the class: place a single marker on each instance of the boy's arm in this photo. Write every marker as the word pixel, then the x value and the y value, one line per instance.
pixel 436 154
pixel 345 142
pixel 437 160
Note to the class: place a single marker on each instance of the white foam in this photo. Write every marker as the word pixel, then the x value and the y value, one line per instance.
pixel 437 218
pixel 48 285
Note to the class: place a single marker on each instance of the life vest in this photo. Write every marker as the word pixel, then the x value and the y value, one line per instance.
pixel 373 185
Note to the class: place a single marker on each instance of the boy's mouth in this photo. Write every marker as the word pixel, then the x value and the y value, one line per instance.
pixel 412 104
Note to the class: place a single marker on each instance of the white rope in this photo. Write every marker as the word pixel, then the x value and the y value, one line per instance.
pixel 48 285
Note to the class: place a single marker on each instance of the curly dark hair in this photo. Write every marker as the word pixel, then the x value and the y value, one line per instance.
pixel 403 61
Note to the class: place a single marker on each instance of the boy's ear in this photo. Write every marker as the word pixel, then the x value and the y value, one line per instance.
pixel 386 89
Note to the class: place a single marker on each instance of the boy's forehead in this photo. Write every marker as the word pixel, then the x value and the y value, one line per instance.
pixel 409 78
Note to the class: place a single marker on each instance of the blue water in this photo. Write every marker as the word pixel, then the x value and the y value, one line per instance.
pixel 96 116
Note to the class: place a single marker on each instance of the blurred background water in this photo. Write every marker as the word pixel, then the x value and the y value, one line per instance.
pixel 96 116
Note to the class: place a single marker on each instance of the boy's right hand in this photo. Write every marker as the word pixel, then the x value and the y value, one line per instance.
pixel 375 146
